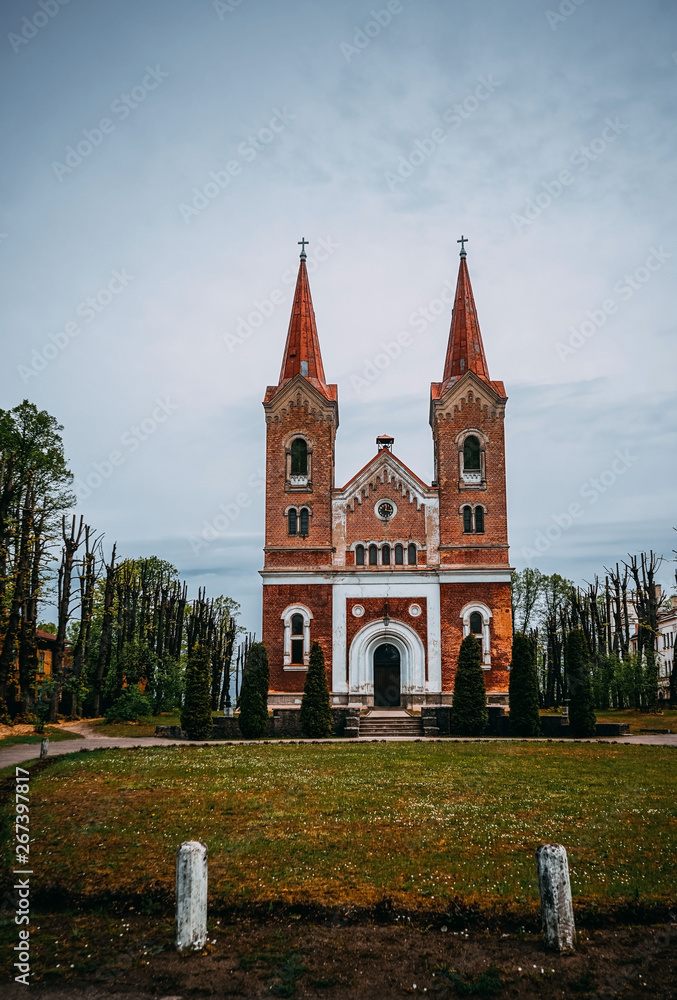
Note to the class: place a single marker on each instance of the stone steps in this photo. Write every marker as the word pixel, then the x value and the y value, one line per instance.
pixel 397 726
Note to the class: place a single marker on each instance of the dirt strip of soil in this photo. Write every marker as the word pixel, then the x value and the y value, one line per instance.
pixel 92 956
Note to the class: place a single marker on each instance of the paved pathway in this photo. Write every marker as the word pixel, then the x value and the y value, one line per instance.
pixel 21 752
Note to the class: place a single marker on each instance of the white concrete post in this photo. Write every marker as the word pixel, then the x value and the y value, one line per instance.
pixel 557 911
pixel 44 748
pixel 191 896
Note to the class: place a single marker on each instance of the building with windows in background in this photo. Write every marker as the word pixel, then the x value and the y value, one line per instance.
pixel 387 572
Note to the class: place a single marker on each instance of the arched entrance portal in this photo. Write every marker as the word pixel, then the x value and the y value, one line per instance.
pixel 386 676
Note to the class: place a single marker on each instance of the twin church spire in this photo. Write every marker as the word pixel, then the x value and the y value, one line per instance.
pixel 465 350
pixel 302 355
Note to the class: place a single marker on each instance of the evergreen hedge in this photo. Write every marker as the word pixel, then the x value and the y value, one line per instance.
pixel 196 711
pixel 254 694
pixel 469 715
pixel 523 690
pixel 582 720
pixel 316 718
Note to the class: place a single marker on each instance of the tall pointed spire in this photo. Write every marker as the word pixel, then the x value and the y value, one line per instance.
pixel 465 351
pixel 302 354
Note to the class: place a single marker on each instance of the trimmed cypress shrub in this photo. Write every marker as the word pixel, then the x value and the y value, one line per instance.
pixel 469 716
pixel 254 694
pixel 316 717
pixel 523 690
pixel 196 711
pixel 582 718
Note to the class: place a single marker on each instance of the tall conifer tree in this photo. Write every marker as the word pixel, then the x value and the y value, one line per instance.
pixel 582 720
pixel 469 716
pixel 524 716
pixel 196 711
pixel 316 717
pixel 254 694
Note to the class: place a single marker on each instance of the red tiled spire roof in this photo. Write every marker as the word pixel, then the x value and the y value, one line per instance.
pixel 465 351
pixel 302 354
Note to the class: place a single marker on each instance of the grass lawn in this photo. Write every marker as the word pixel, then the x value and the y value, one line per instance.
pixel 637 720
pixel 319 824
pixel 144 727
pixel 666 719
pixel 55 734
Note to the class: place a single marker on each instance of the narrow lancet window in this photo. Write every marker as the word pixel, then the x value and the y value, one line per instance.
pixel 299 457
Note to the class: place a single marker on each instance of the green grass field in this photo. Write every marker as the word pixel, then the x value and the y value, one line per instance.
pixel 143 727
pixel 54 733
pixel 423 824
pixel 666 719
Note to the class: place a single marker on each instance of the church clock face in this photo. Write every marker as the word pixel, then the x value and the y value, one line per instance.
pixel 385 510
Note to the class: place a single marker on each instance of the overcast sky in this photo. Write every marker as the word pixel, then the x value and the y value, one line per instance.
pixel 163 159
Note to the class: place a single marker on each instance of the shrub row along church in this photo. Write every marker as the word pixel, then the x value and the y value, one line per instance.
pixel 388 573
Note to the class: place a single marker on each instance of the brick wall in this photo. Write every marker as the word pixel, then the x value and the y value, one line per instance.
pixel 291 413
pixel 496 596
pixel 471 410
pixel 318 598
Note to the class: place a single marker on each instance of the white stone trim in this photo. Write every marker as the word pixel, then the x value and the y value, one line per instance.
pixel 286 616
pixel 385 576
pixel 392 585
pixel 407 642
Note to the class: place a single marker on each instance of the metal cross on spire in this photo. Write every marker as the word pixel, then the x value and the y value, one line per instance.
pixel 463 240
pixel 303 243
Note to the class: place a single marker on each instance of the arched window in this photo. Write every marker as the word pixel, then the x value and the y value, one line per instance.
pixel 479 520
pixel 476 619
pixel 385 555
pixel 467 520
pixel 373 555
pixel 359 555
pixel 297 640
pixel 293 521
pixel 296 622
pixel 399 555
pixel 471 454
pixel 412 554
pixel 303 529
pixel 299 457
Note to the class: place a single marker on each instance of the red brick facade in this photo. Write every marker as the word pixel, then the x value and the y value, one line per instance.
pixel 423 563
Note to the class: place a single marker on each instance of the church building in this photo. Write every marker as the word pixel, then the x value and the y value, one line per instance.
pixel 388 573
